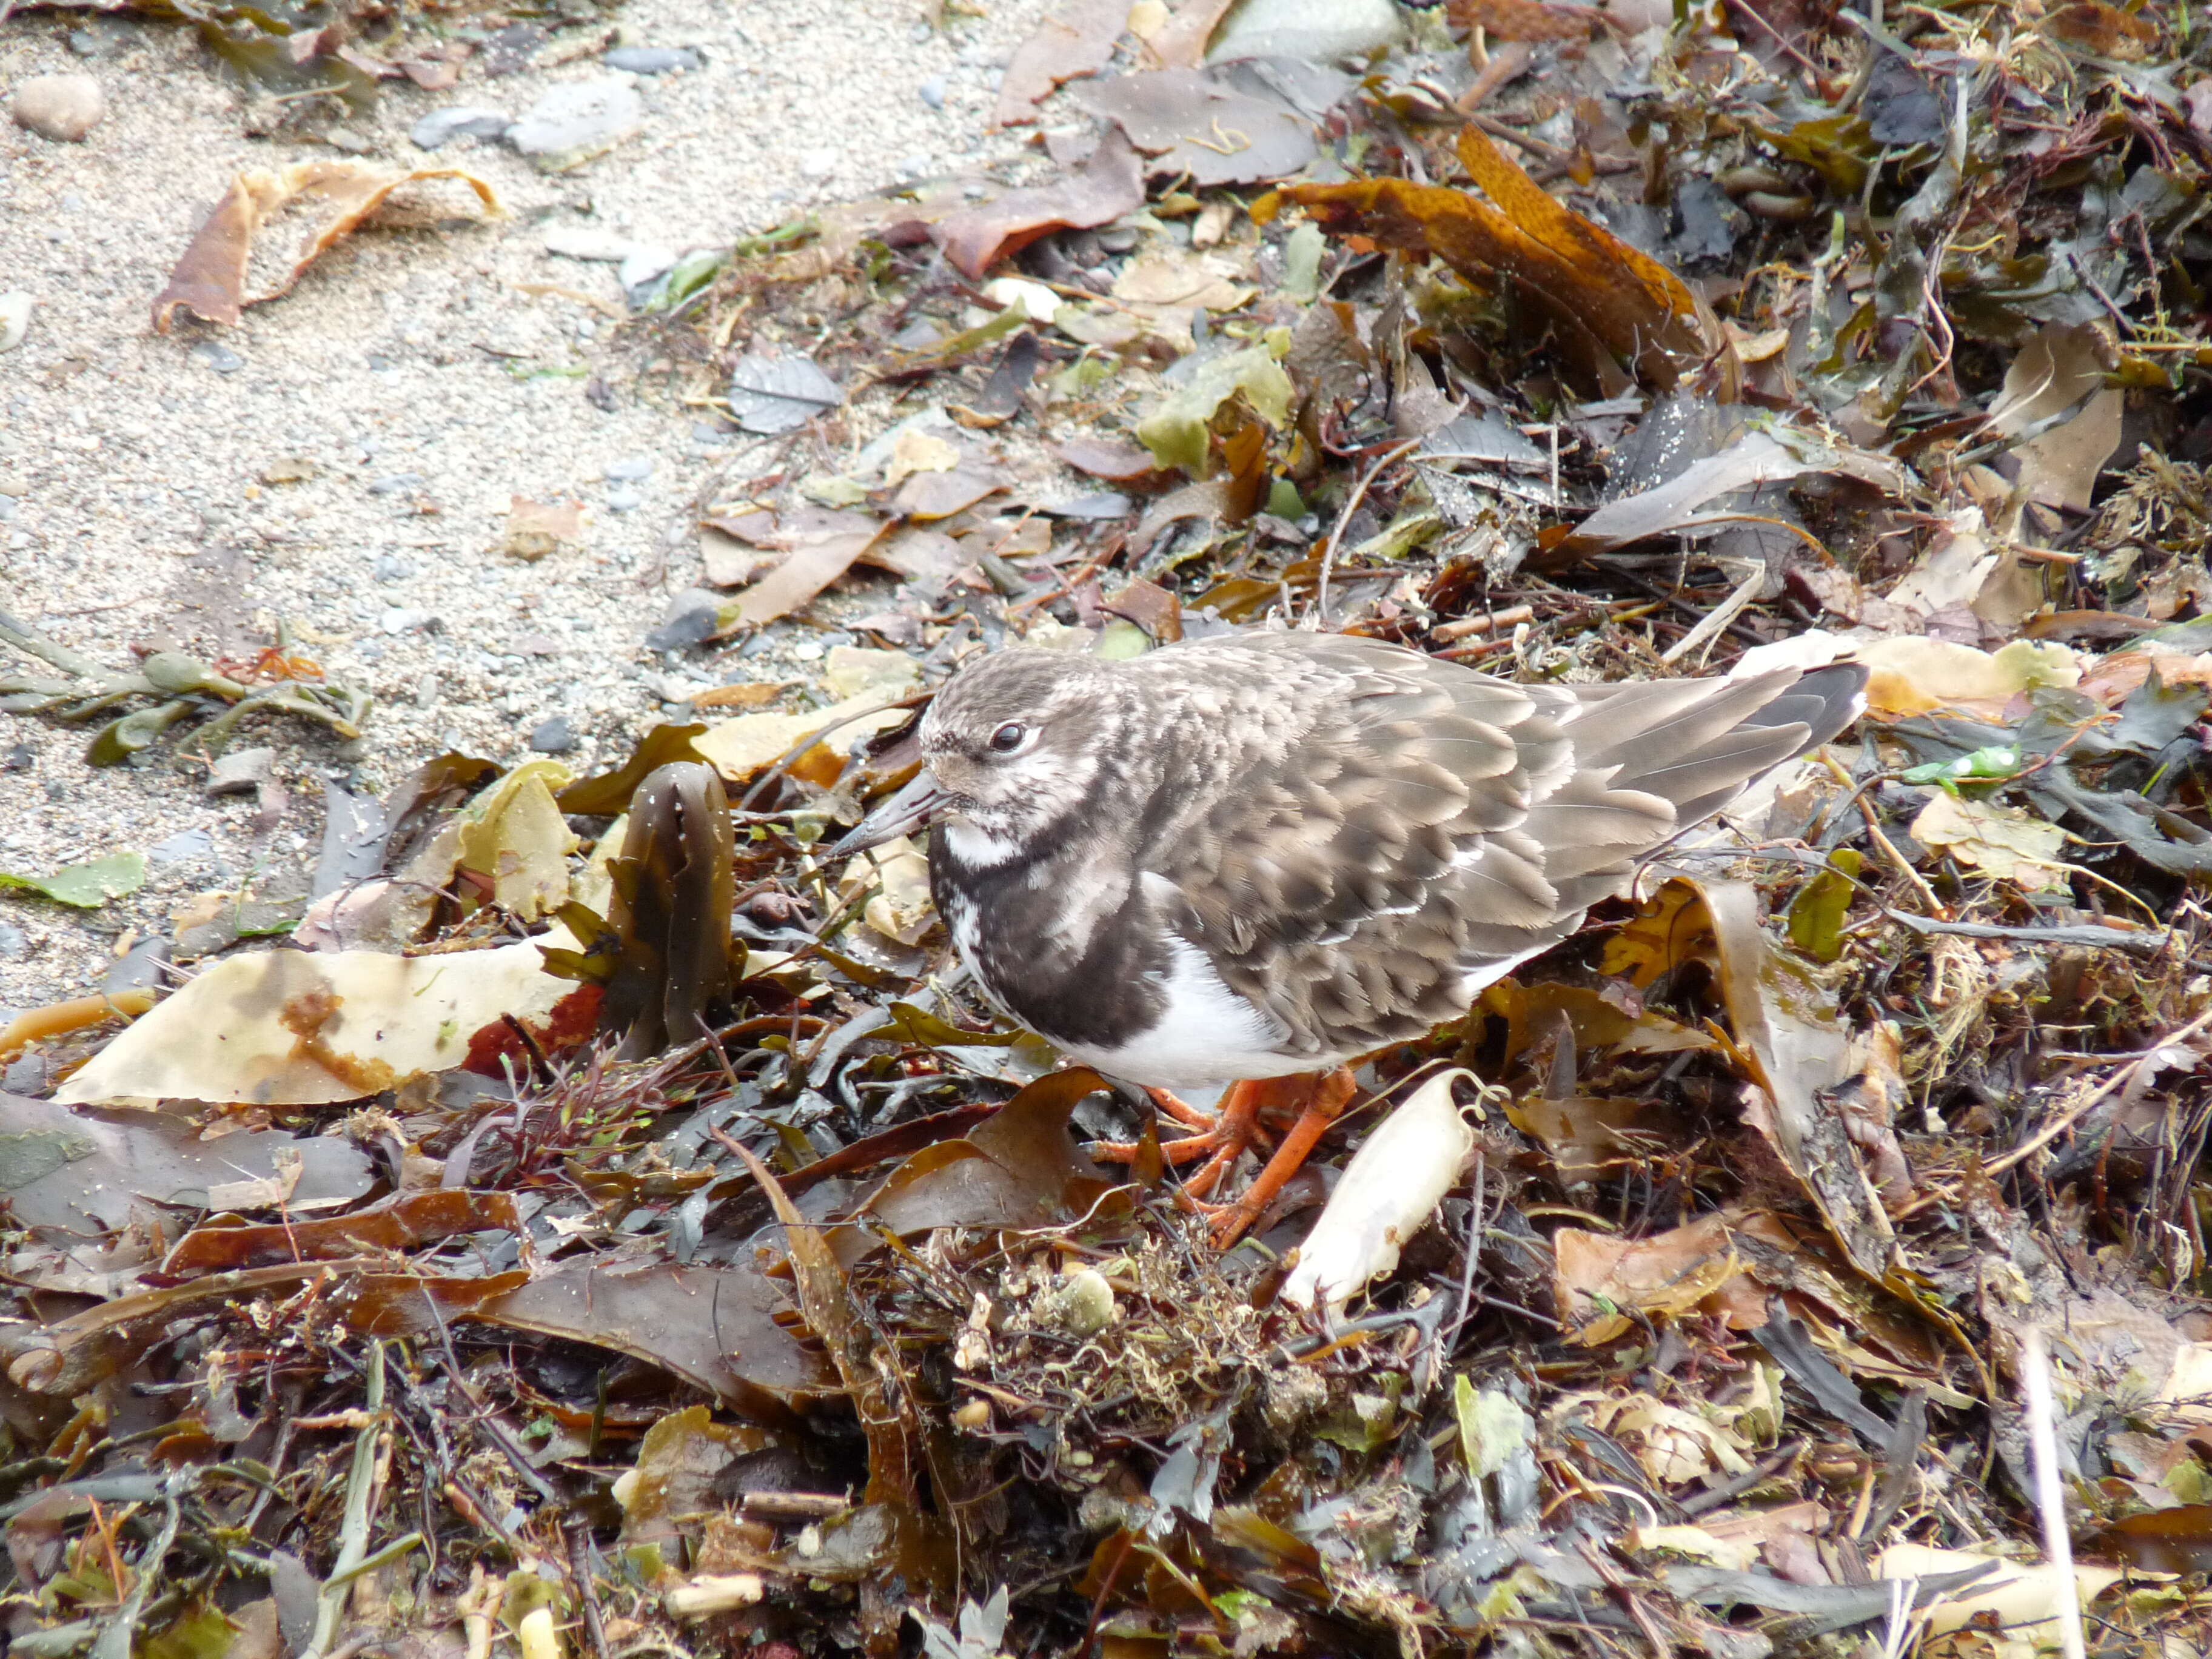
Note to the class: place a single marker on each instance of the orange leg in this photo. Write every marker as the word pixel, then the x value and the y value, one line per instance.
pixel 1227 1137
pixel 1328 1097
pixel 1225 1133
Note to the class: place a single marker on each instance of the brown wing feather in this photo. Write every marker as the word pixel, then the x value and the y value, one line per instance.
pixel 1432 823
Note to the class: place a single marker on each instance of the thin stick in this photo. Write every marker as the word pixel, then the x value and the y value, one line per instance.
pixel 1359 493
pixel 2049 1502
pixel 2067 1119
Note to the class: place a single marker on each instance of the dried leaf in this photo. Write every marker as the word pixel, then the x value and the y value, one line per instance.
pixel 215 279
pixel 826 1300
pixel 1637 306
pixel 1018 1168
pixel 1077 39
pixel 535 529
pixel 407 1219
pixel 515 838
pixel 769 395
pixel 1105 188
pixel 69 1169
pixel 822 548
pixel 1997 840
pixel 293 1029
pixel 1522 20
pixel 1187 123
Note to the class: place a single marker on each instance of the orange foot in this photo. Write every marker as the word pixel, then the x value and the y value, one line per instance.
pixel 1318 1100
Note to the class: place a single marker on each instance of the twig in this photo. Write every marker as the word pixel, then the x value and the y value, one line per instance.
pixel 2073 1114
pixel 114 1641
pixel 587 1593
pixel 2049 1502
pixel 1336 534
pixel 1716 620
pixel 2096 938
pixel 360 1514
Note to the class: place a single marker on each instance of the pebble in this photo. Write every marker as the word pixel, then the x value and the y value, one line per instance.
pixel 631 469
pixel 577 121
pixel 14 943
pixel 588 242
pixel 14 317
pixel 692 615
pixel 553 736
pixel 933 92
pixel 219 358
pixel 919 35
pixel 441 126
pixel 393 483
pixel 622 499
pixel 182 848
pixel 62 107
pixel 391 568
pixel 641 266
pixel 84 43
pixel 7 509
pixel 399 620
pixel 817 163
pixel 652 60
pixel 241 771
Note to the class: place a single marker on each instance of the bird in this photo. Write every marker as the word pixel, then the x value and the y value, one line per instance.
pixel 1254 858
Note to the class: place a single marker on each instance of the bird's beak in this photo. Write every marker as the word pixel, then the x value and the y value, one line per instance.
pixel 910 808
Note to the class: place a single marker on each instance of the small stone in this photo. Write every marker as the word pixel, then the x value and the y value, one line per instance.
pixel 587 242
pixel 219 357
pixel 19 757
pixel 396 482
pixel 622 499
pixel 84 43
pixel 576 121
pixel 182 848
pixel 933 92
pixel 692 619
pixel 7 509
pixel 14 943
pixel 640 266
pixel 553 736
pixel 711 431
pixel 817 163
pixel 62 107
pixel 652 60
pixel 441 126
pixel 631 469
pixel 399 620
pixel 919 35
pixel 241 771
pixel 508 50
pixel 391 568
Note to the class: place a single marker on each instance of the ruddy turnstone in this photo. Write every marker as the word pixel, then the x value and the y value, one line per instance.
pixel 1260 856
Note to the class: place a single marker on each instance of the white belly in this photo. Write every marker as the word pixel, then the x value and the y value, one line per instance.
pixel 1208 1034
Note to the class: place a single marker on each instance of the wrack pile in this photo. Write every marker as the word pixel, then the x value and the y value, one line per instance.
pixel 620 1229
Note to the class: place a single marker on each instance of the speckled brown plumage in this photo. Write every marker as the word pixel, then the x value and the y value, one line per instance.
pixel 1269 853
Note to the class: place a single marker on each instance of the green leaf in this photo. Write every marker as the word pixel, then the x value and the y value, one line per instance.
pixel 1175 433
pixel 1816 915
pixel 86 885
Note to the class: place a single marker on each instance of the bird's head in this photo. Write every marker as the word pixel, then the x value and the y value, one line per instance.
pixel 1013 744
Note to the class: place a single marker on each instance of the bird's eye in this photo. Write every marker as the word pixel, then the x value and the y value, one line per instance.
pixel 1008 737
